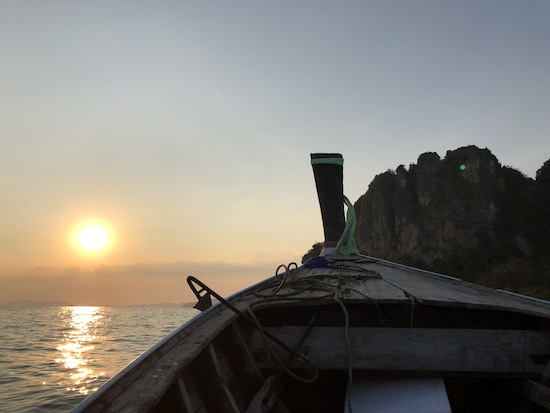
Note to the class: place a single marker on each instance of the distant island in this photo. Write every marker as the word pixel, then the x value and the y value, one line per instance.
pixel 161 305
pixel 32 303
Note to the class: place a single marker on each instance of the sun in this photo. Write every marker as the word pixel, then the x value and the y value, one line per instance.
pixel 92 237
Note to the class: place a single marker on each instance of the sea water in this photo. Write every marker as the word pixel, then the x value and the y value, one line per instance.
pixel 51 358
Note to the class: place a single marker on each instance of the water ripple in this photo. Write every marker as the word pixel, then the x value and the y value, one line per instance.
pixel 52 358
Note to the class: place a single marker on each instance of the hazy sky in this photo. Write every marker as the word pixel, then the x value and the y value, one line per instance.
pixel 186 126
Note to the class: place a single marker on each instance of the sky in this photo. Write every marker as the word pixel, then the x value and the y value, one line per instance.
pixel 185 127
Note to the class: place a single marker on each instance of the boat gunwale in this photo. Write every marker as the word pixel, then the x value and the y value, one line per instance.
pixel 198 320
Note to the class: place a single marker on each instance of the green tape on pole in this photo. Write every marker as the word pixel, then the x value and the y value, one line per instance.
pixel 328 161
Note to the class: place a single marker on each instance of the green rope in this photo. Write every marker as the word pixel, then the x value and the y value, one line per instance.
pixel 346 245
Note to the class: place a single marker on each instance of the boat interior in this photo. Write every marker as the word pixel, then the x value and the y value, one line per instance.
pixel 473 352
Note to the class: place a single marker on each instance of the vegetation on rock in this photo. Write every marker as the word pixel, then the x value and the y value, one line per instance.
pixel 464 215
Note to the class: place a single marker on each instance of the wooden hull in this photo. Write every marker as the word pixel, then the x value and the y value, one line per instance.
pixel 360 320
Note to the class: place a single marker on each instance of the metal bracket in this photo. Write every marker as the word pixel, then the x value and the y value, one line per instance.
pixel 208 291
pixel 205 301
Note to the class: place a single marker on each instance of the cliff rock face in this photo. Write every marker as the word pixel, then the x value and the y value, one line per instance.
pixel 466 206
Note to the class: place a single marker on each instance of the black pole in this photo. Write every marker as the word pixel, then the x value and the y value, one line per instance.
pixel 328 171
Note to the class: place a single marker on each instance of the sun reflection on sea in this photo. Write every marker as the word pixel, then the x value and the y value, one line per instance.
pixel 77 344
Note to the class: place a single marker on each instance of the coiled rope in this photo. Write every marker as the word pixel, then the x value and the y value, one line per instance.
pixel 295 287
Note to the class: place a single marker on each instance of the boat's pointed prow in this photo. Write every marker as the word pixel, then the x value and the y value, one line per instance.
pixel 344 332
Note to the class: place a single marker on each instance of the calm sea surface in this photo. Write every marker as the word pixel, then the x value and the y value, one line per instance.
pixel 51 358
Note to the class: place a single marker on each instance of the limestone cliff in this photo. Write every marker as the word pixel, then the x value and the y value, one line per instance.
pixel 462 214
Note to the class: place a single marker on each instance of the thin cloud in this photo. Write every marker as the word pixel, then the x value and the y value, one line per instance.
pixel 134 283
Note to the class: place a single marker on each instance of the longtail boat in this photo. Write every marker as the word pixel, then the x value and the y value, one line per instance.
pixel 344 332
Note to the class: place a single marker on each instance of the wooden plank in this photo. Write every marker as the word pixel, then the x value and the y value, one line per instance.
pixel 431 288
pixel 418 350
pixel 375 289
pixel 250 362
pixel 192 400
pixel 222 379
pixel 545 376
pixel 535 392
pixel 257 405
pixel 184 395
pixel 427 288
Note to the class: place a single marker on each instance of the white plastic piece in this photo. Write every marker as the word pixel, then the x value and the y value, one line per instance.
pixel 327 251
pixel 400 395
